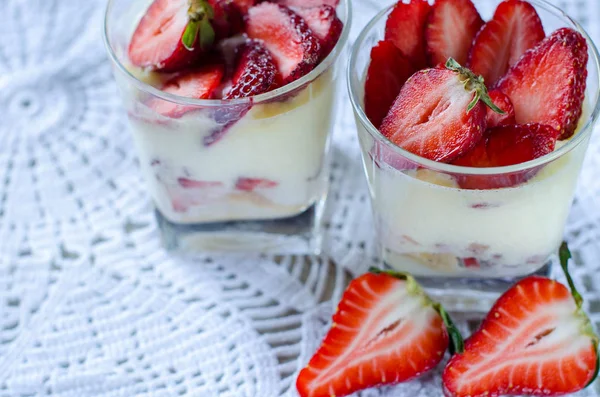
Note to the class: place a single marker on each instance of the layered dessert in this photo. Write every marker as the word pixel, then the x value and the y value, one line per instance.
pixel 237 125
pixel 479 144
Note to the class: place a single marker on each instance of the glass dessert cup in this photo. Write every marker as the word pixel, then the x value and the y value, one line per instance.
pixel 247 174
pixel 464 243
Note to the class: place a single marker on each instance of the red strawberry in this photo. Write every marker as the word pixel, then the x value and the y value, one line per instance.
pixel 308 3
pixel 437 114
pixel 255 72
pixel 158 41
pixel 515 28
pixel 244 5
pixel 385 330
pixel 405 27
pixel 198 83
pixel 251 184
pixel 289 39
pixel 324 23
pixel 503 102
pixel 548 84
pixel 536 340
pixel 506 145
pixel 387 73
pixel 451 27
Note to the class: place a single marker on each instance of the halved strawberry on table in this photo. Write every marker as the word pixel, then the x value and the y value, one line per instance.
pixel 514 28
pixel 386 330
pixel 548 83
pixel 450 29
pixel 288 38
pixel 405 27
pixel 536 340
pixel 324 23
pixel 440 113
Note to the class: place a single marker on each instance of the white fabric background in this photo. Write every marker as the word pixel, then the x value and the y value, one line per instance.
pixel 90 304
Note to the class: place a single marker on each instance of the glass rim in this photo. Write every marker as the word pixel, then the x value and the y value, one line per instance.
pixel 354 88
pixel 267 96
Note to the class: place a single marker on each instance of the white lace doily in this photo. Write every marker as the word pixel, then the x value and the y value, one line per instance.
pixel 91 305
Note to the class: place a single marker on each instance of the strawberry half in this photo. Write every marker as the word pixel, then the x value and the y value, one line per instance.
pixel 198 84
pixel 284 33
pixel 548 84
pixel 385 331
pixel 387 73
pixel 445 37
pixel 503 102
pixel 536 340
pixel 255 72
pixel 438 113
pixel 514 28
pixel 171 35
pixel 405 27
pixel 324 23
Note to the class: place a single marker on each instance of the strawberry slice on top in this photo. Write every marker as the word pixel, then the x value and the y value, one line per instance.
pixel 548 84
pixel 503 102
pixel 439 113
pixel 324 23
pixel 385 331
pixel 255 72
pixel 172 34
pixel 536 340
pixel 387 73
pixel 405 27
pixel 288 38
pixel 514 28
pixel 451 27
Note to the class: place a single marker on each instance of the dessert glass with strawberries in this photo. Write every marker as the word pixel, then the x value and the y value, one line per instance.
pixel 231 105
pixel 473 135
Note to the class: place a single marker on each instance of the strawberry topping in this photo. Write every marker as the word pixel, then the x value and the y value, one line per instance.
pixel 503 102
pixel 405 27
pixel 515 28
pixel 387 73
pixel 324 23
pixel 548 84
pixel 451 27
pixel 294 47
pixel 255 73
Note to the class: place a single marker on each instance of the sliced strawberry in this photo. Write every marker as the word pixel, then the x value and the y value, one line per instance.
pixel 451 27
pixel 387 73
pixel 324 23
pixel 506 145
pixel 385 331
pixel 255 72
pixel 503 102
pixel 437 114
pixel 548 84
pixel 515 28
pixel 289 39
pixel 244 5
pixel 251 184
pixel 405 27
pixel 157 42
pixel 536 340
pixel 228 18
pixel 198 84
pixel 308 3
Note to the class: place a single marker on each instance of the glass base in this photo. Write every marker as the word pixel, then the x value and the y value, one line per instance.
pixel 471 295
pixel 299 234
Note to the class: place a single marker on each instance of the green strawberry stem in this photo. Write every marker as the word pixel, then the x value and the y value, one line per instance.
pixel 200 13
pixel 565 254
pixel 457 344
pixel 473 82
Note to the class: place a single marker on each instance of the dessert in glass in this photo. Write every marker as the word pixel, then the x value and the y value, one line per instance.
pixel 472 138
pixel 231 105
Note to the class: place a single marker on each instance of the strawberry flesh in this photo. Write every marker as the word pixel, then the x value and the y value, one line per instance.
pixel 430 118
pixel 495 119
pixel 405 27
pixel 534 341
pixel 288 38
pixel 387 73
pixel 197 84
pixel 548 84
pixel 324 23
pixel 445 37
pixel 514 28
pixel 384 331
pixel 255 73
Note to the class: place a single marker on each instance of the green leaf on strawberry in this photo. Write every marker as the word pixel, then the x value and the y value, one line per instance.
pixel 200 13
